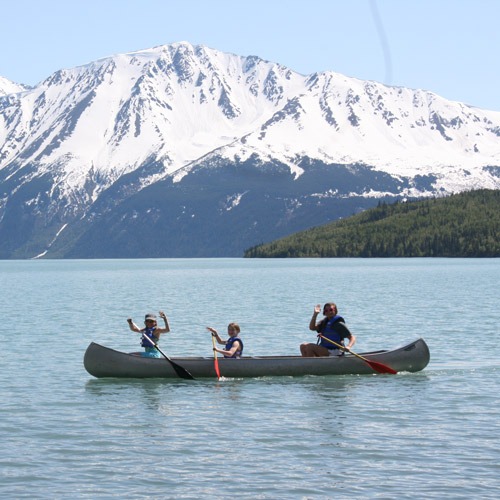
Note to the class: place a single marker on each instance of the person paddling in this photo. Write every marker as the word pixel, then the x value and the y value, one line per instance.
pixel 233 345
pixel 152 331
pixel 331 327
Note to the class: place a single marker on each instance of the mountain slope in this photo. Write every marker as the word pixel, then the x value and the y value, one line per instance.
pixel 181 134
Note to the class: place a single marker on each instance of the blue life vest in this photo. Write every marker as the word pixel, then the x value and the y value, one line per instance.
pixel 333 329
pixel 229 345
pixel 149 332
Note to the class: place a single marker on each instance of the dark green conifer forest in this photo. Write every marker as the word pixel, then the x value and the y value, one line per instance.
pixel 460 225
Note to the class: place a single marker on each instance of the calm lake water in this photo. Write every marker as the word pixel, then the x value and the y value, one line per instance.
pixel 432 434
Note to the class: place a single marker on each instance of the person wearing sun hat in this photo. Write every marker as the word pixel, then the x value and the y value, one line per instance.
pixel 150 334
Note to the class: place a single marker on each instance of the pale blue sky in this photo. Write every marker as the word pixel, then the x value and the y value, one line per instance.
pixel 450 47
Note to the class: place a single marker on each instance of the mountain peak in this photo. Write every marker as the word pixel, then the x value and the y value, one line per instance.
pixel 8 87
pixel 178 102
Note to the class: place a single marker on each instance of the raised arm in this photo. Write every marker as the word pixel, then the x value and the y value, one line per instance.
pixel 167 326
pixel 312 323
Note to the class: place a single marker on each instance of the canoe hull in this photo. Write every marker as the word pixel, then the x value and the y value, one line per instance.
pixel 102 362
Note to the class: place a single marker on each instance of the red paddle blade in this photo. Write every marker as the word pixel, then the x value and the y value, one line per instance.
pixel 217 371
pixel 381 368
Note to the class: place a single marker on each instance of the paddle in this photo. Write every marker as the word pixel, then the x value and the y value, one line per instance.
pixel 216 361
pixel 378 367
pixel 181 371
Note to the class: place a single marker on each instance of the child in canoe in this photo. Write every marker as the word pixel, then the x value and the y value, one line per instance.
pixel 150 333
pixel 233 345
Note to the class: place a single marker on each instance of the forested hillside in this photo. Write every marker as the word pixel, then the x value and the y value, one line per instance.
pixel 461 225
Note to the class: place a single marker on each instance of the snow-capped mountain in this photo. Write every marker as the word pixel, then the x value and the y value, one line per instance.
pixel 188 141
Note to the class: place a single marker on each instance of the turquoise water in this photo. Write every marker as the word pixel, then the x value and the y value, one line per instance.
pixel 432 434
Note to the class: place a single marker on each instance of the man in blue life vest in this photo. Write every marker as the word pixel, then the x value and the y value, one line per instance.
pixel 332 327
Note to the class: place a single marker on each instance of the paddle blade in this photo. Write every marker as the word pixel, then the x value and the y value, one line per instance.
pixel 217 371
pixel 381 368
pixel 216 361
pixel 181 371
